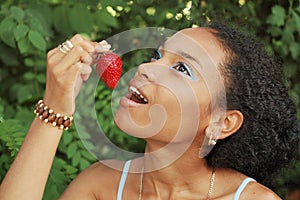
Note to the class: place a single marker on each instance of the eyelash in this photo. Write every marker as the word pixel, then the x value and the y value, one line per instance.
pixel 182 67
pixel 178 66
pixel 156 56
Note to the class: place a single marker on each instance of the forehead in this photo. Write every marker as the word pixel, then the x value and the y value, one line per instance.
pixel 197 42
pixel 207 52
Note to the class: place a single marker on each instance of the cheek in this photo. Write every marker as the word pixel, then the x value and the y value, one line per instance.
pixel 205 96
pixel 172 106
pixel 172 115
pixel 183 115
pixel 161 115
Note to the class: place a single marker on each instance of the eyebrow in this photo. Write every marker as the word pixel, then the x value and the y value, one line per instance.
pixel 188 56
pixel 184 55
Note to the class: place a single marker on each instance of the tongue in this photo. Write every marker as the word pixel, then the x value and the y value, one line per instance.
pixel 136 99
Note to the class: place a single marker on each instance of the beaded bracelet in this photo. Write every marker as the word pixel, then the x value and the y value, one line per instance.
pixel 46 114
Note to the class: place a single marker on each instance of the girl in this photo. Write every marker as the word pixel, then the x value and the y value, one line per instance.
pixel 214 112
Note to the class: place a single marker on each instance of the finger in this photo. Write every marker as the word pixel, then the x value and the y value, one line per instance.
pixel 62 49
pixel 102 47
pixel 77 54
pixel 54 55
pixel 87 59
pixel 75 71
pixel 52 52
pixel 84 43
pixel 57 54
pixel 85 72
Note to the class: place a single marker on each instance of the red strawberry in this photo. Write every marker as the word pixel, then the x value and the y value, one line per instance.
pixel 109 68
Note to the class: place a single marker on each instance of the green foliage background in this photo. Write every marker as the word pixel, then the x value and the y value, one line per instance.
pixel 28 29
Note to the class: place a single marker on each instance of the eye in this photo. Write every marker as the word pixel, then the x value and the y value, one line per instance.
pixel 183 68
pixel 156 56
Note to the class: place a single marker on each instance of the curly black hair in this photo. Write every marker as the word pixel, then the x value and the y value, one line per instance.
pixel 254 83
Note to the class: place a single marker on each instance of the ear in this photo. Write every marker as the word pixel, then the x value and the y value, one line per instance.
pixel 232 122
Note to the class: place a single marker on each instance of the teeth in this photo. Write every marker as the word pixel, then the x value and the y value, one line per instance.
pixel 137 93
pixel 132 89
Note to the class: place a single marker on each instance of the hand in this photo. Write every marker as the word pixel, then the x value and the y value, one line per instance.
pixel 67 71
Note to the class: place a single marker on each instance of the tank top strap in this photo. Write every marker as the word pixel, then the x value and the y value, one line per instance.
pixel 123 179
pixel 242 187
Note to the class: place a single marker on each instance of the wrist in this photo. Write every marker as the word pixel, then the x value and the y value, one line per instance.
pixel 49 116
pixel 60 105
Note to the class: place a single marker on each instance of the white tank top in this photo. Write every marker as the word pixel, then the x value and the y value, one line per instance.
pixel 125 173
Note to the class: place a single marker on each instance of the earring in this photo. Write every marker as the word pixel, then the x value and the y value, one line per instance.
pixel 212 141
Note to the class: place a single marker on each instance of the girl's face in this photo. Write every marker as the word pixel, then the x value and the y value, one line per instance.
pixel 169 99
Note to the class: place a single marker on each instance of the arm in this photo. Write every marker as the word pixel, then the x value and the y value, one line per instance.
pixel 27 176
pixel 98 181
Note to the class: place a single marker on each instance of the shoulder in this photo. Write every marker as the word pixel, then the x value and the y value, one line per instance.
pixel 255 190
pixel 96 180
pixel 100 171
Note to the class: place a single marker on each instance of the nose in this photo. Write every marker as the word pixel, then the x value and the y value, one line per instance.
pixel 147 71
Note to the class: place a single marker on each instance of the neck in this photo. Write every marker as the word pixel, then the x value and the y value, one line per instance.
pixel 173 169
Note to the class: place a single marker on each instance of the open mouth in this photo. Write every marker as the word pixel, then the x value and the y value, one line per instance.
pixel 136 96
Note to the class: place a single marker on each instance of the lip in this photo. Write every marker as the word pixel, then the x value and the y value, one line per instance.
pixel 126 101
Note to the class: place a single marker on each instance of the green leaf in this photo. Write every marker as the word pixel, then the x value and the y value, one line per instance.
pixel 29 76
pixel 24 93
pixel 36 25
pixel 297 20
pixel 115 3
pixel 8 57
pixel 104 19
pixel 41 17
pixel 88 155
pixel 289 71
pixel 87 144
pixel 78 22
pixel 37 40
pixel 29 62
pixel 70 169
pixel 294 49
pixel 76 158
pixel 298 9
pixel 41 78
pixel 6 29
pixel 295 96
pixel 84 135
pixel 11 132
pixel 274 31
pixel 25 116
pixel 72 148
pixel 277 17
pixel 288 35
pixel 24 46
pixel 84 164
pixel 20 31
pixel 67 138
pixel 17 13
pixel 61 20
pixel 8 127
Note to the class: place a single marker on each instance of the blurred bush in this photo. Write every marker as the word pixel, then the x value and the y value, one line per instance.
pixel 28 29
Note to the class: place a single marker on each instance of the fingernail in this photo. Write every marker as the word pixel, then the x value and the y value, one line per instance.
pixel 103 42
pixel 101 47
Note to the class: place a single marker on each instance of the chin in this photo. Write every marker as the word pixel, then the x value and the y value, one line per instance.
pixel 125 122
pixel 121 121
pixel 140 123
